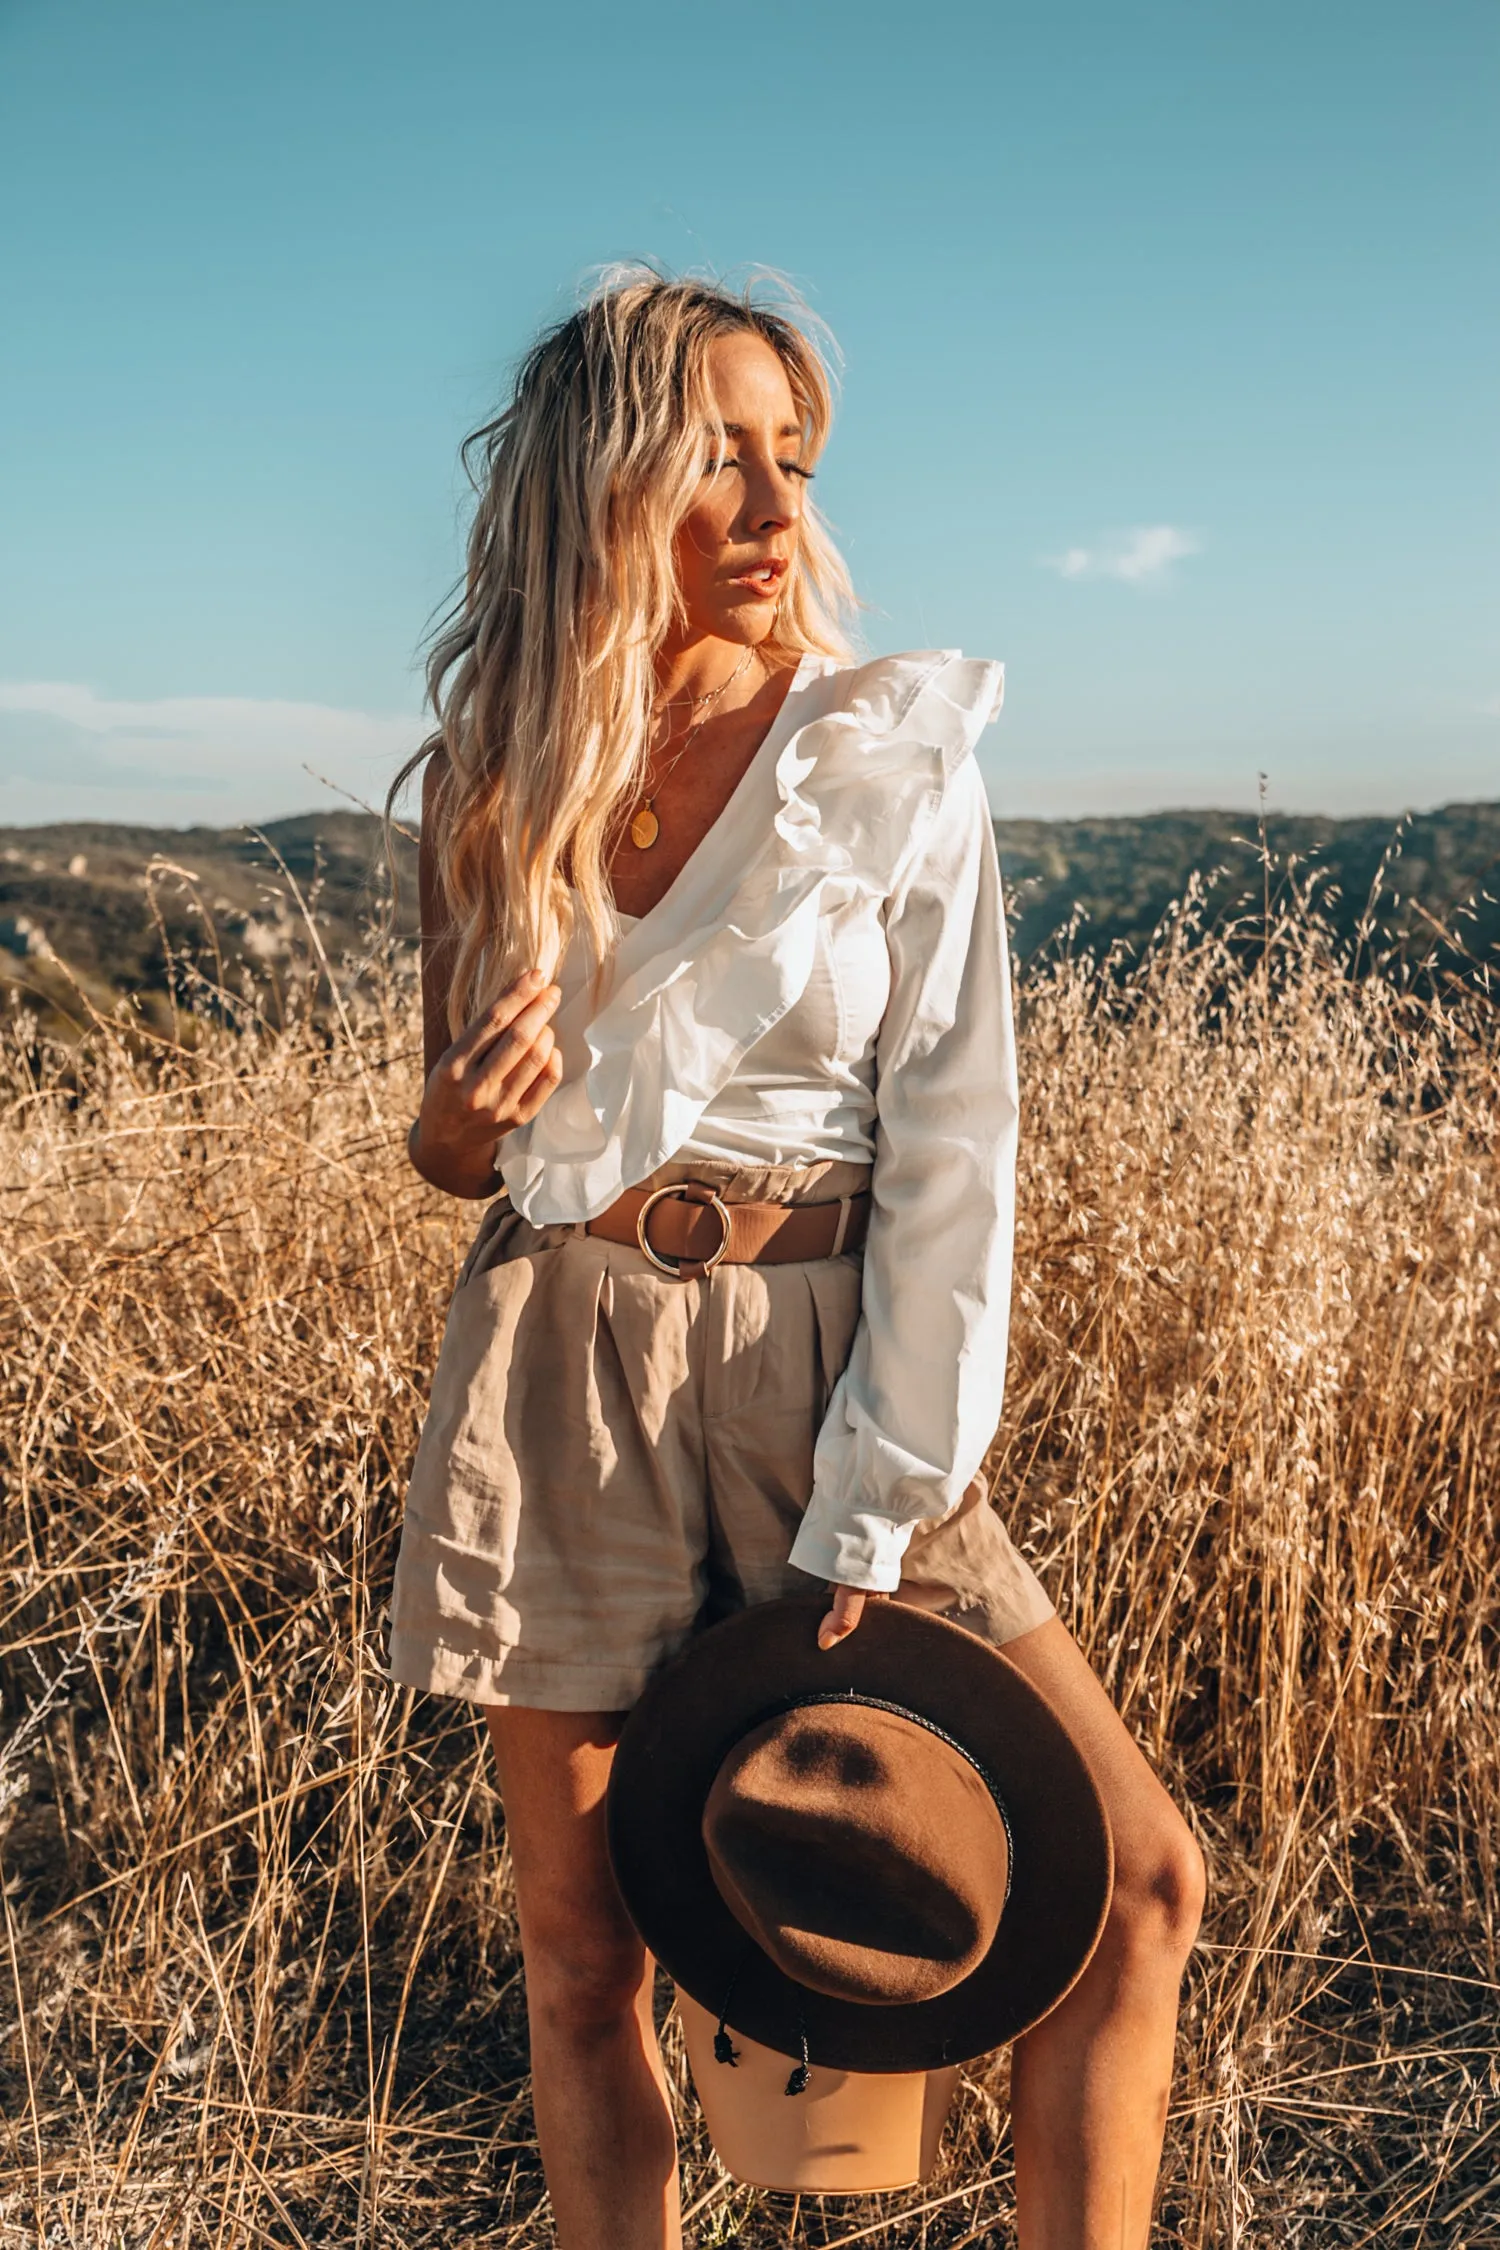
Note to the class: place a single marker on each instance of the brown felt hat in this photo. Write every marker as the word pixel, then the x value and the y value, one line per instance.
pixel 885 1856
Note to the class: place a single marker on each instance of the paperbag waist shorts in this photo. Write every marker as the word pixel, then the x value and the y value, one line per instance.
pixel 614 1459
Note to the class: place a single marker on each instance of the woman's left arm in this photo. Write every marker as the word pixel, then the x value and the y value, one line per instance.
pixel 913 1414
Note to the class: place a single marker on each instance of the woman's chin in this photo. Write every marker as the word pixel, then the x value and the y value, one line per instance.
pixel 746 623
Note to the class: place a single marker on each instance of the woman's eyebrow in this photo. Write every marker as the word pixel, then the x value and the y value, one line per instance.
pixel 737 430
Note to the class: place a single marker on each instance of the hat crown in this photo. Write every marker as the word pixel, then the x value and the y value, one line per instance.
pixel 861 1849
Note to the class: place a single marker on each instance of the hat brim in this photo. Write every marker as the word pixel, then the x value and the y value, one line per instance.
pixel 767 1658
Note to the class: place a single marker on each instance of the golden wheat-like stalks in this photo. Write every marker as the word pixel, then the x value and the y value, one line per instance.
pixel 260 1980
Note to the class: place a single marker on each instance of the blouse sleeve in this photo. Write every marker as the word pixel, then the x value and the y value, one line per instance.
pixel 915 1410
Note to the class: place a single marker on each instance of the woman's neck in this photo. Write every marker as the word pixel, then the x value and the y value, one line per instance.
pixel 697 668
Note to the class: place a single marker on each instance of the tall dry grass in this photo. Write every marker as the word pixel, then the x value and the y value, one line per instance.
pixel 258 1974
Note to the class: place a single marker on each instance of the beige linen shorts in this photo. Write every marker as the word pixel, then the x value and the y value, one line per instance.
pixel 613 1459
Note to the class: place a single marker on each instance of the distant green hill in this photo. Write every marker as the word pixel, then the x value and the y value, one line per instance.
pixel 1438 890
pixel 105 905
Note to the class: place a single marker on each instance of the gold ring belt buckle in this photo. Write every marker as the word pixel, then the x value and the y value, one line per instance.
pixel 681 1188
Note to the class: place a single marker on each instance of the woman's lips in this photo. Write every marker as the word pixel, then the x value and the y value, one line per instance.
pixel 765 579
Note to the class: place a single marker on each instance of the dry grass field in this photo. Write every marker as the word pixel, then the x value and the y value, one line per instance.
pixel 258 1974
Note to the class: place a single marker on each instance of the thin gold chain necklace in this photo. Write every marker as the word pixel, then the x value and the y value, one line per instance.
pixel 644 825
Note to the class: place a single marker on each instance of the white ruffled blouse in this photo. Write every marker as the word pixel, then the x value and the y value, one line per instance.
pixel 827 977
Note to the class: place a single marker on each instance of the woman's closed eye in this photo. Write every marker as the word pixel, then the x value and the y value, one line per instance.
pixel 787 468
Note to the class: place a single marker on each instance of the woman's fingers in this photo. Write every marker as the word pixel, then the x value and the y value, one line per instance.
pixel 494 1083
pixel 495 1075
pixel 544 1083
pixel 496 1019
pixel 532 1066
pixel 490 1077
pixel 848 1608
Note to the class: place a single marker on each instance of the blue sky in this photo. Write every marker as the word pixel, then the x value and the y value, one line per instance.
pixel 1169 330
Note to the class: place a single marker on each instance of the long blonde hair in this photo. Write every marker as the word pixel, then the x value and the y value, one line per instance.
pixel 541 674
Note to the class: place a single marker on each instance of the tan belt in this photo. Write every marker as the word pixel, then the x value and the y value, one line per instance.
pixel 687 1229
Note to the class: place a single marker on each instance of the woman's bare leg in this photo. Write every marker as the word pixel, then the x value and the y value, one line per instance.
pixel 1089 2086
pixel 600 2098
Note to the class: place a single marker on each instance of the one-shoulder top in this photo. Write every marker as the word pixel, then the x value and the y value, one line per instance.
pixel 827 977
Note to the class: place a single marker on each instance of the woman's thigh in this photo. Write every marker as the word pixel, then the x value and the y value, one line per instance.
pixel 1158 1867
pixel 554 1773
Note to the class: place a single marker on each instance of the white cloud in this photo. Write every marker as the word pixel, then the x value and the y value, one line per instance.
pixel 1141 557
pixel 67 753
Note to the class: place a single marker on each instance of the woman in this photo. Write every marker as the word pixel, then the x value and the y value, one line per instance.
pixel 705 904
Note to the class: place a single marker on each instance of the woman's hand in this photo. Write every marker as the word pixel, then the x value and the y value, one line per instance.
pixel 848 1608
pixel 496 1075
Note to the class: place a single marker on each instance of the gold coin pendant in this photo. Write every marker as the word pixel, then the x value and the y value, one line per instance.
pixel 644 829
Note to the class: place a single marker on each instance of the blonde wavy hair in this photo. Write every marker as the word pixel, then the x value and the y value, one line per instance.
pixel 541 674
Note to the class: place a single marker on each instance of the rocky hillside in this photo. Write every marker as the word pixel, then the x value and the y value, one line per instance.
pixel 120 911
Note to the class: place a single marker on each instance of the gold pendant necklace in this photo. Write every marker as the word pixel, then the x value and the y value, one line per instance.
pixel 644 826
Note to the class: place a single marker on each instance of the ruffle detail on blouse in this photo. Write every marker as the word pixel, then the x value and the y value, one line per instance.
pixel 731 946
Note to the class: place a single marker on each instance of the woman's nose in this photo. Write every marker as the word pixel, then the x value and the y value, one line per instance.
pixel 772 501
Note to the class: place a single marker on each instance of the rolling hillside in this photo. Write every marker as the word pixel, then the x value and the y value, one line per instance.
pixel 103 906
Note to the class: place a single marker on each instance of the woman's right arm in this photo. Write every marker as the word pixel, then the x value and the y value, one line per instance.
pixel 498 1071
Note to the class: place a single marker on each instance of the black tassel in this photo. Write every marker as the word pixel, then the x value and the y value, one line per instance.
pixel 801 2077
pixel 725 2050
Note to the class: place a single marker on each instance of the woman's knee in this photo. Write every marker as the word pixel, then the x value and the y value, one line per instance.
pixel 583 1972
pixel 1160 1887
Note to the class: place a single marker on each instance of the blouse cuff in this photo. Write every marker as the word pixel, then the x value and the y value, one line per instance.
pixel 859 1550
